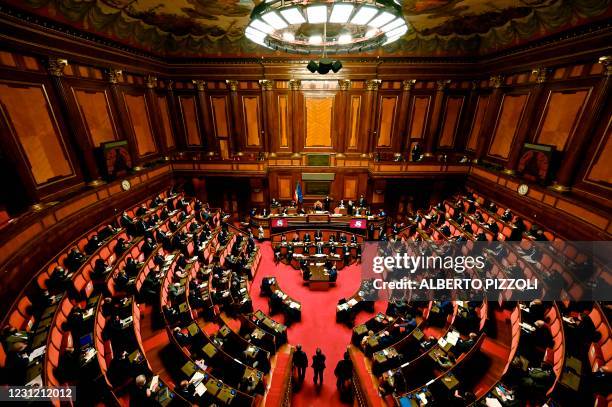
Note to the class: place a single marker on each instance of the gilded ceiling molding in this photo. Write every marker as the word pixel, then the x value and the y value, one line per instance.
pixel 606 61
pixel 541 74
pixel 344 84
pixel 295 84
pixel 408 84
pixel 497 81
pixel 56 66
pixel 113 74
pixel 232 84
pixel 442 84
pixel 373 84
pixel 151 81
pixel 200 84
pixel 266 84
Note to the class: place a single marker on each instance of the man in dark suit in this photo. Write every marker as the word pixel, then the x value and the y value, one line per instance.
pixel 327 203
pixel 318 236
pixel 362 201
pixel 318 366
pixel 300 362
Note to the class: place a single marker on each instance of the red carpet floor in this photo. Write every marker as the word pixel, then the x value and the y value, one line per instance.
pixel 318 327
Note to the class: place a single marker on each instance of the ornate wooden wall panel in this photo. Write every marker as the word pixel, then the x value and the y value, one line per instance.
pixel 284 129
pixel 319 115
pixel 96 115
pixel 190 120
pixel 353 123
pixel 508 120
pixel 478 118
pixel 219 107
pixel 386 120
pixel 36 131
pixel 600 169
pixel 562 113
pixel 164 113
pixel 138 113
pixel 450 122
pixel 251 113
pixel 418 116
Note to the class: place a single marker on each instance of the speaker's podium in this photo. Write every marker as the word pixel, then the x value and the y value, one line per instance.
pixel 341 211
pixel 319 279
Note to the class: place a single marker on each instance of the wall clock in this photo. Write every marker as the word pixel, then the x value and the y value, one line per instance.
pixel 523 189
pixel 125 185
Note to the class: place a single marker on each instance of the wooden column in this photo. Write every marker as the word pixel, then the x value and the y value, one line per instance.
pixel 370 102
pixel 113 75
pixel 529 122
pixel 235 138
pixel 571 160
pixel 208 139
pixel 436 114
pixel 151 98
pixel 488 122
pixel 78 137
pixel 407 87
pixel 297 128
pixel 342 115
pixel 180 138
pixel 270 117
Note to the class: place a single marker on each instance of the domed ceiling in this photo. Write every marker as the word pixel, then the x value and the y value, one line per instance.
pixel 214 28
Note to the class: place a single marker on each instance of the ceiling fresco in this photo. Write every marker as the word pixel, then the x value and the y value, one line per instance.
pixel 214 28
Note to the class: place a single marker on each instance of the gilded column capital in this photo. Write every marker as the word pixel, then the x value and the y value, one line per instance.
pixel 373 84
pixel 344 84
pixel 497 81
pixel 295 84
pixel 266 84
pixel 541 74
pixel 56 66
pixel 408 84
pixel 232 84
pixel 151 81
pixel 199 84
pixel 441 85
pixel 113 74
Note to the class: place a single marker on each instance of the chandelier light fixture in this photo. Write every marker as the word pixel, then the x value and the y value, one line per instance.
pixel 314 27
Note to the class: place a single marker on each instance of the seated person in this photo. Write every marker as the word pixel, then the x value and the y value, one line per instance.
pixel 142 395
pixel 59 279
pixel 148 247
pixel 185 390
pixel 342 238
pixel 121 246
pixel 92 245
pixel 121 280
pixel 74 259
pixel 429 342
pixel 467 344
pixel 100 270
pixel 182 338
pixel 306 237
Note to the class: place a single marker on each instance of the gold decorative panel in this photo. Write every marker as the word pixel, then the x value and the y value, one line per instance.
pixel 561 116
pixel 219 108
pixel 250 106
pixel 165 118
pixel 454 105
pixel 481 108
pixel 139 118
pixel 190 120
pixel 96 115
pixel 282 120
pixel 354 121
pixel 510 116
pixel 36 130
pixel 386 120
pixel 418 117
pixel 319 117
